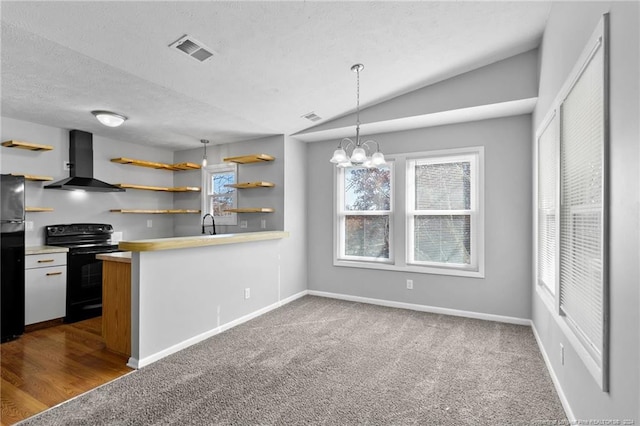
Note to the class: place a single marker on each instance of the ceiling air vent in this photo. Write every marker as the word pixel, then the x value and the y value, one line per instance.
pixel 193 48
pixel 312 116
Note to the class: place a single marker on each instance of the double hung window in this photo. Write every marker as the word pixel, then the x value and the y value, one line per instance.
pixel 442 211
pixel 365 213
pixel 432 223
pixel 572 207
pixel 548 154
pixel 218 196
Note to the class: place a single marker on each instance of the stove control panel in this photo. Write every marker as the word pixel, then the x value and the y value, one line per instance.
pixel 78 229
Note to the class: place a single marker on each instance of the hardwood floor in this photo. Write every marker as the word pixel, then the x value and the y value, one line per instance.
pixel 48 366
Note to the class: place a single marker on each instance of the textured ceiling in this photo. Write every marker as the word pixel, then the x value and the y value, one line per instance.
pixel 274 62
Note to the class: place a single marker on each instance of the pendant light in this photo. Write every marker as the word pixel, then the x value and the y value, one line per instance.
pixel 357 153
pixel 204 157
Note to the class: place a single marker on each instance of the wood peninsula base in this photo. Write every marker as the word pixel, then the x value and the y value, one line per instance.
pixel 116 301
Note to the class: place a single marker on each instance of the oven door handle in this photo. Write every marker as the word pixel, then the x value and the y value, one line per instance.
pixel 78 253
pixel 92 252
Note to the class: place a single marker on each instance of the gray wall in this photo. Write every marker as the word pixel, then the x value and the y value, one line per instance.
pixel 72 206
pixel 256 197
pixel 294 249
pixel 568 29
pixel 505 289
pixel 511 79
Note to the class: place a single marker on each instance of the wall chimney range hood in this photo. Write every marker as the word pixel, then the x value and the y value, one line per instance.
pixel 81 161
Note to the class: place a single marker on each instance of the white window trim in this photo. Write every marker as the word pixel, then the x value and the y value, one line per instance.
pixel 598 370
pixel 340 215
pixel 552 119
pixel 399 240
pixel 473 211
pixel 206 191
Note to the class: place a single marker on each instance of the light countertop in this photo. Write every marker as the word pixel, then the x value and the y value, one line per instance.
pixel 44 250
pixel 199 241
pixel 122 257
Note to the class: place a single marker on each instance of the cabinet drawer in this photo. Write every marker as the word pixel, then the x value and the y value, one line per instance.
pixel 45 260
pixel 45 294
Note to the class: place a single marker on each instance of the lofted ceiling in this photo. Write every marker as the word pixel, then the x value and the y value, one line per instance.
pixel 273 61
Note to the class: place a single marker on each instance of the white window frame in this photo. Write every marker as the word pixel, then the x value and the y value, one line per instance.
pixel 595 359
pixel 207 191
pixel 398 225
pixel 342 214
pixel 473 212
pixel 550 289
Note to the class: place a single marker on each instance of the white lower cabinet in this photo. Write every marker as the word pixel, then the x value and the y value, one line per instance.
pixel 45 287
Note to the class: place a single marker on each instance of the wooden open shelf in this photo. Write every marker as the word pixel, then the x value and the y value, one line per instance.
pixel 141 163
pixel 27 145
pixel 251 210
pixel 38 209
pixel 246 159
pixel 159 188
pixel 143 211
pixel 34 177
pixel 244 185
pixel 155 165
pixel 186 166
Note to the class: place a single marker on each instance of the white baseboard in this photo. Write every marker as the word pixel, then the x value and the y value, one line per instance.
pixel 423 308
pixel 262 311
pixel 556 383
pixel 139 363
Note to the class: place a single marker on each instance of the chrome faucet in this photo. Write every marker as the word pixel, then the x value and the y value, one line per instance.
pixel 213 223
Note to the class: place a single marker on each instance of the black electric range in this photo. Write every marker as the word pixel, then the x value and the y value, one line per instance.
pixel 84 271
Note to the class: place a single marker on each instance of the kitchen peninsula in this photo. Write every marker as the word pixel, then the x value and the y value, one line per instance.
pixel 116 301
pixel 186 289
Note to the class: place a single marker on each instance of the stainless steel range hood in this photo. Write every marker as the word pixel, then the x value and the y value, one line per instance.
pixel 81 159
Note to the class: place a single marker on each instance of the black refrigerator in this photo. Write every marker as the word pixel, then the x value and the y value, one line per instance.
pixel 12 266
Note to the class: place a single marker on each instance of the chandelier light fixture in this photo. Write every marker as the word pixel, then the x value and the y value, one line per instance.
pixel 204 157
pixel 108 118
pixel 357 153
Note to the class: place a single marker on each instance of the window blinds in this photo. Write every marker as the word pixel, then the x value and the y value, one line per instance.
pixel 582 196
pixel 442 212
pixel 547 195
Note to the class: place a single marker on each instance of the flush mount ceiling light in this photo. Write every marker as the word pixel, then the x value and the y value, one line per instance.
pixel 108 118
pixel 361 153
pixel 204 157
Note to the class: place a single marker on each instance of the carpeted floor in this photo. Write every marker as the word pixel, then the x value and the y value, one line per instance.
pixel 331 362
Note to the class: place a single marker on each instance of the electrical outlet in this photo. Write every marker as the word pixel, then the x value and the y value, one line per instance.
pixel 28 225
pixel 243 224
pixel 149 223
pixel 561 354
pixel 409 284
pixel 66 165
pixel 263 223
pixel 247 293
